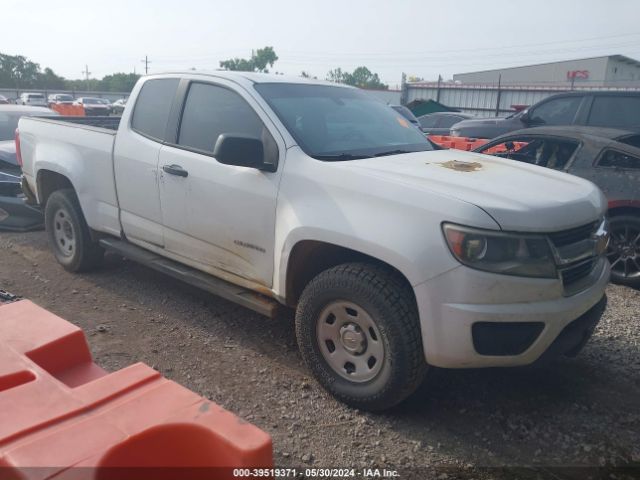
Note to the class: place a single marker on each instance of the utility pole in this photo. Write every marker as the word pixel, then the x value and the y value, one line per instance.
pixel 498 95
pixel 86 74
pixel 146 64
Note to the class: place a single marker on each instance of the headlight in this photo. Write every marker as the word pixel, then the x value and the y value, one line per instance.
pixel 498 252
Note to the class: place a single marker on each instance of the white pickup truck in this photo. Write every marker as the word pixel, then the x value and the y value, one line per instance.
pixel 273 191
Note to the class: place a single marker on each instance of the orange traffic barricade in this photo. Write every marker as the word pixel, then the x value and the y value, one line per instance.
pixel 468 144
pixel 63 416
pixel 68 109
pixel 459 143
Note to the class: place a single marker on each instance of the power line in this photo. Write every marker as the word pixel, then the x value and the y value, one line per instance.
pixel 465 50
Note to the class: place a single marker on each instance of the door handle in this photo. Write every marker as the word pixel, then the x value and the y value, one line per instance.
pixel 175 170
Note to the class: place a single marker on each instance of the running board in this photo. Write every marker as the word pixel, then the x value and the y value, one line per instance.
pixel 242 296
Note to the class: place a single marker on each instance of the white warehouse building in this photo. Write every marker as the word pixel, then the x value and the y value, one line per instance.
pixel 609 71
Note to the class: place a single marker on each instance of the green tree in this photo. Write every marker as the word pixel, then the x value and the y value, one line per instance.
pixel 16 71
pixel 49 80
pixel 258 62
pixel 361 77
pixel 336 75
pixel 119 82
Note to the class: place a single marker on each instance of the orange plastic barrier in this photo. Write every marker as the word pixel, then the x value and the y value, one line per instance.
pixel 58 410
pixel 68 109
pixel 464 143
pixel 459 143
pixel 501 148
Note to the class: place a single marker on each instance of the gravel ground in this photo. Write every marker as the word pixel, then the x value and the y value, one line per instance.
pixel 556 422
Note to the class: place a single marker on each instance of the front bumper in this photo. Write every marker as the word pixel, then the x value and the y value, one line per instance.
pixel 451 304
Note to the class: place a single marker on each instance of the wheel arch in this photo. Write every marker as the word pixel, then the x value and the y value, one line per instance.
pixel 308 258
pixel 48 181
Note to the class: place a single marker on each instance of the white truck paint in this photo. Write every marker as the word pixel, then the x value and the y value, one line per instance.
pixel 244 224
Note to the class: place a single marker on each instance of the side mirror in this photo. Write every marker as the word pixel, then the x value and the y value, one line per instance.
pixel 240 150
pixel 525 117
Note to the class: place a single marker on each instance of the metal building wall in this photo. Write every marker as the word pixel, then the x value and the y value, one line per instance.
pixel 488 100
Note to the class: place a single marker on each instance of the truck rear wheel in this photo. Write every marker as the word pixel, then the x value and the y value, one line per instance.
pixel 68 233
pixel 358 332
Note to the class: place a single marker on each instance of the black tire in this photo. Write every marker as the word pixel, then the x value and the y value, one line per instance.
pixel 68 233
pixel 624 250
pixel 389 303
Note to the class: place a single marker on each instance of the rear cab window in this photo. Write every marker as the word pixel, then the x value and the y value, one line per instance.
pixel 153 106
pixel 615 111
pixel 616 159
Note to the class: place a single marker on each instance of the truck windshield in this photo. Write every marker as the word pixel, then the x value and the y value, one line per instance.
pixel 337 123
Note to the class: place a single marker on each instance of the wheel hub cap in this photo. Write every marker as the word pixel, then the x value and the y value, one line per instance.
pixel 353 340
pixel 350 341
pixel 63 233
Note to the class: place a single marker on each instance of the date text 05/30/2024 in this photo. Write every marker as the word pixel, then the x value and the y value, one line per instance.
pixel 364 473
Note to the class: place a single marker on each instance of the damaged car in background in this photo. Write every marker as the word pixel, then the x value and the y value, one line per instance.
pixel 15 212
pixel 608 157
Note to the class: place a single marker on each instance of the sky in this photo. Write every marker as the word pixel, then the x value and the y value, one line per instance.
pixel 422 38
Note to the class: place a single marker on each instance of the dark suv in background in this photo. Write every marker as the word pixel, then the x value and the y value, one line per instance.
pixel 600 109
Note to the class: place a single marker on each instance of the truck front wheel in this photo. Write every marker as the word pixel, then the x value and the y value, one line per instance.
pixel 68 233
pixel 358 331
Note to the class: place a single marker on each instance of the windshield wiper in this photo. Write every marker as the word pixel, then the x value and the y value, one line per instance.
pixel 393 152
pixel 341 156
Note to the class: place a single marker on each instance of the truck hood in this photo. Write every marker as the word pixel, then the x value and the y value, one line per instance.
pixel 519 197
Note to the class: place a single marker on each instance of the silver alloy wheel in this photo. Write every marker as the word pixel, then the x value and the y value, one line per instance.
pixel 64 233
pixel 349 341
pixel 624 251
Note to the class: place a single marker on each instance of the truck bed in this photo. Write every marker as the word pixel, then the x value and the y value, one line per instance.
pixel 81 150
pixel 110 123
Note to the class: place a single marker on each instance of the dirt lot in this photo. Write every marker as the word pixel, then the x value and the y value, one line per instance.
pixel 581 412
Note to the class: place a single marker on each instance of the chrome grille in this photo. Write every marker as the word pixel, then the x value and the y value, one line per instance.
pixel 577 254
pixel 577 272
pixel 574 235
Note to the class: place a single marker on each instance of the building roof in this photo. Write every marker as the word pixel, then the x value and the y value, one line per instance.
pixel 619 58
